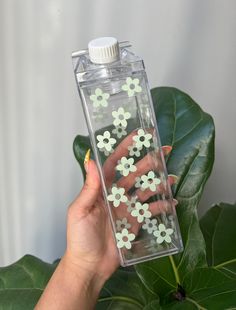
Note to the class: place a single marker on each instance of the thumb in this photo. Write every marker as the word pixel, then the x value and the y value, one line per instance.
pixel 91 188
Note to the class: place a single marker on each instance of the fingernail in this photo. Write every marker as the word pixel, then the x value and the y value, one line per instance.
pixel 86 159
pixel 167 149
pixel 175 202
pixel 174 178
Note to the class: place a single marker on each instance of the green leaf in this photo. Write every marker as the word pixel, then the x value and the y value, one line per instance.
pixel 210 289
pixel 183 305
pixel 22 283
pixel 124 290
pixel 214 287
pixel 219 230
pixel 19 299
pixel 80 147
pixel 190 131
pixel 154 305
pixel 205 288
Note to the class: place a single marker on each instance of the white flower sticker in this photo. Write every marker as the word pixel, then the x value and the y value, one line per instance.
pixel 142 139
pixel 126 166
pixel 132 86
pixel 123 239
pixel 121 224
pixel 131 204
pixel 163 234
pixel 152 145
pixel 120 117
pixel 150 225
pixel 117 196
pixel 134 150
pixel 141 211
pixel 97 115
pixel 138 183
pixel 106 152
pixel 99 98
pixel 152 245
pixel 119 131
pixel 170 218
pixel 150 181
pixel 132 108
pixel 105 141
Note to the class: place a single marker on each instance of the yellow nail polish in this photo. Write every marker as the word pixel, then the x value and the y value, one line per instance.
pixel 86 159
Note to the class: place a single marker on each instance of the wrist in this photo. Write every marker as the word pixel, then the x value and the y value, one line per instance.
pixel 83 274
pixel 71 286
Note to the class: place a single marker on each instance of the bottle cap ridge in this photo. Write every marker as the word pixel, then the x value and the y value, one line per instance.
pixel 103 50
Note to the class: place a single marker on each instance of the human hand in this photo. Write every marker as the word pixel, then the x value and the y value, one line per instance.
pixel 90 241
pixel 91 255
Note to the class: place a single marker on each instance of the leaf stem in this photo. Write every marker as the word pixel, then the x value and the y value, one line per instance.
pixel 176 273
pixel 225 263
pixel 121 298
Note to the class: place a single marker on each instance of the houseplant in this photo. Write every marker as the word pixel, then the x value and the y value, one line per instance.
pixel 203 276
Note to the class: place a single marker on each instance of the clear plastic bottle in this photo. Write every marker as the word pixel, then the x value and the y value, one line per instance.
pixel 118 108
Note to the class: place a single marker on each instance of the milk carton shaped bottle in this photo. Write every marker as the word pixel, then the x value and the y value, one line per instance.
pixel 118 109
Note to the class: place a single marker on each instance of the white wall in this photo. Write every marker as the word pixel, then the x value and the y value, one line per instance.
pixel 187 44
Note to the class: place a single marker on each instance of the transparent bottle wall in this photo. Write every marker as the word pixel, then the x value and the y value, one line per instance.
pixel 126 145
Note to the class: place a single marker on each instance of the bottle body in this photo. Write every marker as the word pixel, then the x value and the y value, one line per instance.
pixel 122 126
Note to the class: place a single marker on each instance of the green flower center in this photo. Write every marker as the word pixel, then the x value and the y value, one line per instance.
pixel 106 140
pixel 127 166
pixel 150 225
pixel 150 180
pixel 142 138
pixel 132 86
pixel 163 233
pixel 99 98
pixel 121 117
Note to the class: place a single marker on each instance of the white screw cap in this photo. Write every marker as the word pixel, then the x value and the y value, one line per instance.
pixel 103 50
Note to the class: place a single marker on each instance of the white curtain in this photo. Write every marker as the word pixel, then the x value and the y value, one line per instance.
pixel 187 44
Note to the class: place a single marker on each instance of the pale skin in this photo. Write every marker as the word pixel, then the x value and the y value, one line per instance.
pixel 91 255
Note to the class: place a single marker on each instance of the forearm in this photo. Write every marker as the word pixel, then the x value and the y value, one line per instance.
pixel 71 287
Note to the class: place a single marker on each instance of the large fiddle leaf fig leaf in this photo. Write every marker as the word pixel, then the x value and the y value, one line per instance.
pixel 219 230
pixel 22 283
pixel 124 290
pixel 205 289
pixel 80 146
pixel 190 131
pixel 212 287
pixel 208 288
